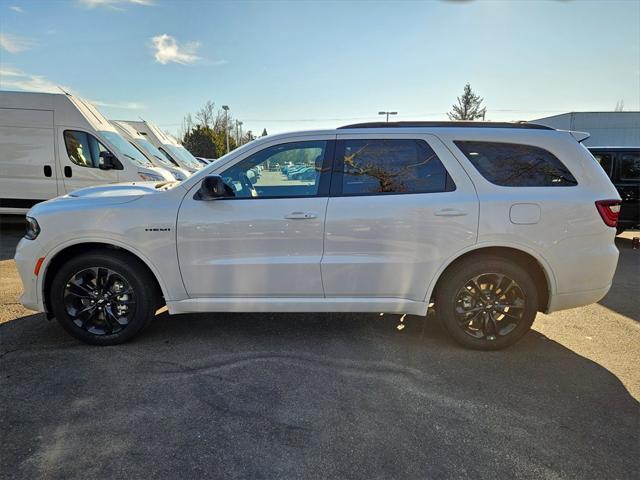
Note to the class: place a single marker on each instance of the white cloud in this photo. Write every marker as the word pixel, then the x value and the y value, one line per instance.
pixel 16 8
pixel 13 79
pixel 168 50
pixel 14 44
pixel 115 4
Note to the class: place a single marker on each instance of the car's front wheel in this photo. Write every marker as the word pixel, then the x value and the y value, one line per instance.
pixel 103 298
pixel 486 303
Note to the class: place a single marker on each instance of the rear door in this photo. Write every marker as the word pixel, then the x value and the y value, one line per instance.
pixel 79 152
pixel 400 206
pixel 628 185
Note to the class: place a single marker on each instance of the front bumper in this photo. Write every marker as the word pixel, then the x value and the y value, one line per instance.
pixel 27 254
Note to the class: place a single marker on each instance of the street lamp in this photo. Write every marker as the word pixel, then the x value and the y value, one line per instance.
pixel 387 114
pixel 226 124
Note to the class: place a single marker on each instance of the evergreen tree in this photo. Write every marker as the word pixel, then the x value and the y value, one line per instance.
pixel 264 133
pixel 200 142
pixel 469 106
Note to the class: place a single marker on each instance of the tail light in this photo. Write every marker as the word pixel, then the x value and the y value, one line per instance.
pixel 609 211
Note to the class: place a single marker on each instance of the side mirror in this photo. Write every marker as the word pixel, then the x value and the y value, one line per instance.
pixel 213 187
pixel 107 161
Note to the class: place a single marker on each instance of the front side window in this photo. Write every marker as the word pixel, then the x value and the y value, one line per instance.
pixel 287 170
pixel 605 160
pixel 83 148
pixel 516 165
pixel 630 166
pixel 382 166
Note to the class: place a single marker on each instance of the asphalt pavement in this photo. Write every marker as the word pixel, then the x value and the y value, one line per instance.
pixel 322 395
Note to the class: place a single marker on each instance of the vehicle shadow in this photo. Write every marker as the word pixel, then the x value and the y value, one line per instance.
pixel 624 294
pixel 11 231
pixel 307 396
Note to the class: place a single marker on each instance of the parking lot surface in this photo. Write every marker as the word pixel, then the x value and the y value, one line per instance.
pixel 321 395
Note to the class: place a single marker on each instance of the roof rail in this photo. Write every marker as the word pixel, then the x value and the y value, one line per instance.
pixel 454 124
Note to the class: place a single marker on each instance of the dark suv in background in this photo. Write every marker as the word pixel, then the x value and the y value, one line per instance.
pixel 622 164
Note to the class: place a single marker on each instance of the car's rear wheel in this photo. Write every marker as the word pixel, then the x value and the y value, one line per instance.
pixel 103 298
pixel 486 303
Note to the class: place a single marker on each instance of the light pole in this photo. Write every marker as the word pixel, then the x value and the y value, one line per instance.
pixel 226 124
pixel 387 114
pixel 238 132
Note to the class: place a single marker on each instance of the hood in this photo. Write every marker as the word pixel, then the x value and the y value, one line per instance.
pixel 124 190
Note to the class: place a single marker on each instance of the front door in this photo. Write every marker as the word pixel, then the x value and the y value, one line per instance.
pixel 79 153
pixel 266 240
pixel 400 206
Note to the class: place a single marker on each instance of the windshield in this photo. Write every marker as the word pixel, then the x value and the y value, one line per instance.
pixel 179 152
pixel 126 149
pixel 152 150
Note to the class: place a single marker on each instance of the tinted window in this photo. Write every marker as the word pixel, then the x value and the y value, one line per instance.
pixel 515 165
pixel 630 166
pixel 391 166
pixel 287 170
pixel 605 160
pixel 83 148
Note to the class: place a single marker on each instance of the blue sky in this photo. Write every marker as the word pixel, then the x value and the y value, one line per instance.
pixel 300 65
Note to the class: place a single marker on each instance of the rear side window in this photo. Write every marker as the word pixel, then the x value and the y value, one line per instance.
pixel 374 167
pixel 630 166
pixel 516 165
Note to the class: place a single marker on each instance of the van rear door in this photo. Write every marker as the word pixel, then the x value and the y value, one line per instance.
pixel 27 158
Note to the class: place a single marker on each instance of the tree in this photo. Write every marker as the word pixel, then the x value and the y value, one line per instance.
pixel 200 141
pixel 264 133
pixel 619 106
pixel 469 106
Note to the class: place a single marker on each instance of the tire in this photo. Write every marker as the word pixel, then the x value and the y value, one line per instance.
pixel 127 305
pixel 467 313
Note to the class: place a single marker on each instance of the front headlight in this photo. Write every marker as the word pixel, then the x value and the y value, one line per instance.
pixel 33 229
pixel 150 177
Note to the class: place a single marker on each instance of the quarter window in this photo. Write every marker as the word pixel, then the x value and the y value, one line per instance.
pixel 386 166
pixel 83 148
pixel 287 170
pixel 515 165
pixel 630 166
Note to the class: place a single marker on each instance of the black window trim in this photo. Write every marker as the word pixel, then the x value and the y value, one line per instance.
pixel 325 172
pixel 618 167
pixel 338 170
pixel 116 166
pixel 455 142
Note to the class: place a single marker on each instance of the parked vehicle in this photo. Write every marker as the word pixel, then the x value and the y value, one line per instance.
pixel 622 164
pixel 168 145
pixel 52 144
pixel 149 150
pixel 492 222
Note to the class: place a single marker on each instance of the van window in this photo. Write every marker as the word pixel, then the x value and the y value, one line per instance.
pixel 630 166
pixel 374 167
pixel 605 160
pixel 83 148
pixel 516 165
pixel 126 148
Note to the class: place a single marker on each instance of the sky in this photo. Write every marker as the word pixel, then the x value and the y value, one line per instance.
pixel 302 65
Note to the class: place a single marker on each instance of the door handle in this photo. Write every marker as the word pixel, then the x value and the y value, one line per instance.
pixel 47 171
pixel 300 216
pixel 450 212
pixel 67 172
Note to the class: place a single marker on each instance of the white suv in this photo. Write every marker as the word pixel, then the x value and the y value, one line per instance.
pixel 491 222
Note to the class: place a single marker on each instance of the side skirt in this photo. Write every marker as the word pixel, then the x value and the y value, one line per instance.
pixel 336 304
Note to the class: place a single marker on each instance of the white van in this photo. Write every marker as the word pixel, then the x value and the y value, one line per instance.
pixel 168 145
pixel 52 144
pixel 149 150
